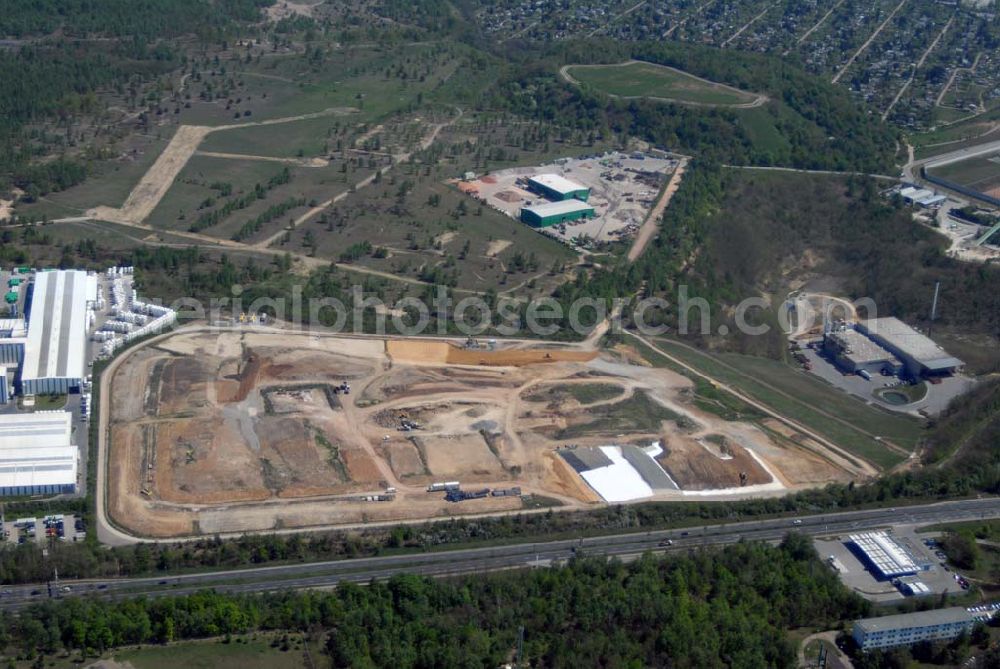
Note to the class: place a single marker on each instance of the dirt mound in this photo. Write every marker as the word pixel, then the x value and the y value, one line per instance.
pixel 249 375
pixel 709 466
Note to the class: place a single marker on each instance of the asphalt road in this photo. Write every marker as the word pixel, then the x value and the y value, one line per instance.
pixel 524 555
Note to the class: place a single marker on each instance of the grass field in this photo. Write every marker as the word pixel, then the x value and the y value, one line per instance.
pixel 182 205
pixel 110 180
pixel 259 654
pixel 637 79
pixel 308 138
pixel 809 401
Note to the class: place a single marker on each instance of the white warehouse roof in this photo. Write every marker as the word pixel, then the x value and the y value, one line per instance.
pixel 36 450
pixel 560 207
pixel 905 339
pixel 36 467
pixel 42 429
pixel 889 558
pixel 57 325
pixel 558 183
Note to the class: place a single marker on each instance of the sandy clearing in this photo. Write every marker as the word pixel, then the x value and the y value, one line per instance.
pixel 445 238
pixel 285 9
pixel 497 246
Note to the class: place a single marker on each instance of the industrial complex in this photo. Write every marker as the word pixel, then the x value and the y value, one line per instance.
pixel 66 324
pixel 885 556
pixel 919 354
pixel 888 345
pixel 595 198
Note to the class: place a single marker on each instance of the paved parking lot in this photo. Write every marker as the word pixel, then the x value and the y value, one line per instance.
pixel 937 399
pixel 858 576
pixel 60 527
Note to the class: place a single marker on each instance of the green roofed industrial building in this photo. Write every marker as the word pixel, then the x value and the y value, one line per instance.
pixel 551 213
pixel 555 187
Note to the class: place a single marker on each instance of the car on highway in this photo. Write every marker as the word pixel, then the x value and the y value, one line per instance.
pixel 797 521
pixel 666 542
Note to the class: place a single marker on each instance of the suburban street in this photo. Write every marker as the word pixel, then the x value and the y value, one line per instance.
pixel 521 555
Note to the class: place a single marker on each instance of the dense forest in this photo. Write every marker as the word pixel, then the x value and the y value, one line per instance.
pixel 726 607
pixel 730 234
pixel 67 52
pixel 142 19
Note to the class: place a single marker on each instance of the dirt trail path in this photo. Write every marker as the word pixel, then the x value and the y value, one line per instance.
pixel 951 79
pixel 913 72
pixel 157 180
pixel 397 159
pixel 747 25
pixel 652 222
pixel 815 26
pixel 300 162
pixel 868 42
pixel 831 638
pixel 680 23
pixel 160 177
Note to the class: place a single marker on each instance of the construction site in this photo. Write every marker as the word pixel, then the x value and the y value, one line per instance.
pixel 260 430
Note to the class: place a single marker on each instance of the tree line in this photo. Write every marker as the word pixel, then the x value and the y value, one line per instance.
pixel 715 607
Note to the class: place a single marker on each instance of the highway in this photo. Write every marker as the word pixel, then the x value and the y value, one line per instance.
pixel 493 558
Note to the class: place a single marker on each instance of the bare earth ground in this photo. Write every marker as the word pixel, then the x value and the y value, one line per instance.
pixel 241 431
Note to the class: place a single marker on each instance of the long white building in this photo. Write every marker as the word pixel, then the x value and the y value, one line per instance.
pixel 909 628
pixel 37 456
pixel 54 354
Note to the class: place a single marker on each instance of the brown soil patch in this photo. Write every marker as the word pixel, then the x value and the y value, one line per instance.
pixel 362 468
pixel 464 456
pixel 695 466
pixel 404 458
pixel 564 480
pixel 433 352
pixel 515 357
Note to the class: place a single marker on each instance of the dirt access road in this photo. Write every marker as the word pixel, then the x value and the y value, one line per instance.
pixel 652 222
pixel 397 159
pixel 160 177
